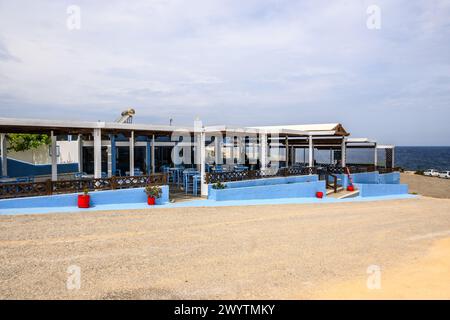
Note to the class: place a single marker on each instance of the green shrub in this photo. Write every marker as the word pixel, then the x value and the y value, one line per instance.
pixel 218 186
pixel 153 191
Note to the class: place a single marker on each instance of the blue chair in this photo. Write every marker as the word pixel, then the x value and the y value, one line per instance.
pixel 79 175
pixel 196 179
pixel 165 168
pixel 188 179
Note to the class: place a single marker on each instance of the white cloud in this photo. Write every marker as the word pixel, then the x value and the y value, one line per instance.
pixel 242 62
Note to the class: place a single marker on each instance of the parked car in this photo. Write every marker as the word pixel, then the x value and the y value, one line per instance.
pixel 444 175
pixel 431 173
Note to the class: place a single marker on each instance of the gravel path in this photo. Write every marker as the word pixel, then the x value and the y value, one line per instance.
pixel 288 251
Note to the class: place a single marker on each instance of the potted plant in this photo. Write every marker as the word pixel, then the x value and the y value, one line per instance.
pixel 218 186
pixel 153 192
pixel 84 199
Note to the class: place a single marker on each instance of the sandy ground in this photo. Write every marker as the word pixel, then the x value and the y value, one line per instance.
pixel 427 186
pixel 279 252
pixel 426 278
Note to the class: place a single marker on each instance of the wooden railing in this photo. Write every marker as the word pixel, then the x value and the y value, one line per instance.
pixel 30 189
pixel 214 177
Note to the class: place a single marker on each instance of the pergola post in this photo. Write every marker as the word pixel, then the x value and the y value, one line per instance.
pixel 132 154
pixel 311 152
pixel 148 157
pixel 97 153
pixel 375 160
pixel 153 154
pixel 80 153
pixel 203 185
pixel 344 153
pixel 112 156
pixel 4 154
pixel 286 145
pixel 218 149
pixel 54 155
pixel 263 150
pixel 293 155
pixel 242 149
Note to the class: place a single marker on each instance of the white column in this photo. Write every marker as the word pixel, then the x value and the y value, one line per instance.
pixel 393 157
pixel 204 186
pixel 311 152
pixel 4 154
pixel 263 150
pixel 242 149
pixel 132 154
pixel 153 154
pixel 293 155
pixel 218 148
pixel 54 157
pixel 344 153
pixel 375 160
pixel 80 153
pixel 286 145
pixel 109 148
pixel 97 153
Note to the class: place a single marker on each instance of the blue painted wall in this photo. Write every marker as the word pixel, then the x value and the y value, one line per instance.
pixel 370 178
pixel 374 190
pixel 268 181
pixel 270 191
pixel 97 198
pixel 389 178
pixel 18 168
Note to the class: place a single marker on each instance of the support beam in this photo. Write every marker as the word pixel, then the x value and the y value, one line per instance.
pixel 311 152
pixel 112 156
pixel 218 148
pixel 132 154
pixel 287 151
pixel 293 155
pixel 80 153
pixel 263 150
pixel 4 152
pixel 97 153
pixel 344 153
pixel 148 158
pixel 203 185
pixel 54 156
pixel 153 154
pixel 393 157
pixel 375 160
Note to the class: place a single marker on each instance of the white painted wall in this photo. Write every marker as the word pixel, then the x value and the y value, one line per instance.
pixel 68 153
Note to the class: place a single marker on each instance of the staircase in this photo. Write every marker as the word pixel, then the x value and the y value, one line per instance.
pixel 342 194
pixel 335 189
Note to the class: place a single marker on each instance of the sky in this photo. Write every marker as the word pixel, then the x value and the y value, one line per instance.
pixel 243 62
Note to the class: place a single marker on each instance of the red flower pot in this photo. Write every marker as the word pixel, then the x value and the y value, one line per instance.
pixel 83 200
pixel 319 194
pixel 350 188
pixel 151 201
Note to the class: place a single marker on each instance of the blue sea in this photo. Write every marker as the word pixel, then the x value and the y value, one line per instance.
pixel 409 158
pixel 422 158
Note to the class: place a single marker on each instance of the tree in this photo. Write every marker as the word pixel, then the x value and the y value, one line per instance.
pixel 23 142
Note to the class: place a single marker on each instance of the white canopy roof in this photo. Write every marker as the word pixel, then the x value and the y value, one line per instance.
pixel 312 129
